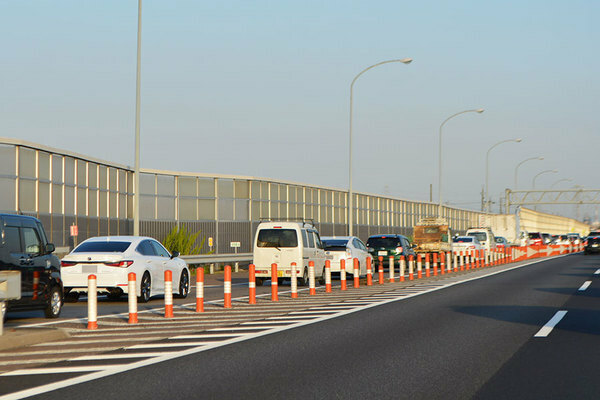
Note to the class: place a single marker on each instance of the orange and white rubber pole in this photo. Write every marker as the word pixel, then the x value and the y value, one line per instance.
pixel 443 262
pixel 132 298
pixel 200 289
pixel 294 281
pixel 274 287
pixel 327 276
pixel 227 287
pixel 168 294
pixel 462 260
pixel 380 270
pixel 369 272
pixel 343 274
pixel 435 260
pixel 392 269
pixel 251 284
pixel 449 261
pixel 419 266
pixel 92 303
pixel 356 271
pixel 311 278
pixel 411 267
pixel 402 268
pixel 427 266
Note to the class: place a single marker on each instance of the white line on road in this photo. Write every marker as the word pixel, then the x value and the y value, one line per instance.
pixel 162 345
pixel 585 286
pixel 116 356
pixel 597 272
pixel 546 329
pixel 59 370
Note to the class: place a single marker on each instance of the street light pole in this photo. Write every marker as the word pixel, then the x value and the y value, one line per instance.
pixel 487 169
pixel 554 171
pixel 350 193
pixel 479 111
pixel 522 162
pixel 561 180
pixel 136 179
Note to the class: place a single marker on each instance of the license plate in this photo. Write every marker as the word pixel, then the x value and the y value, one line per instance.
pixel 382 253
pixel 89 269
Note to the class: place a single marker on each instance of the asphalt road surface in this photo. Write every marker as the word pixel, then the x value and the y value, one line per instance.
pixel 476 339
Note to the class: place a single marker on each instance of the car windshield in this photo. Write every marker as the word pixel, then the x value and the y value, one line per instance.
pixel 102 247
pixel 481 236
pixel 335 244
pixel 535 235
pixel 463 239
pixel 277 238
pixel 383 242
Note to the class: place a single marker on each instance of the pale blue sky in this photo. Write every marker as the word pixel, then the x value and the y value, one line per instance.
pixel 262 88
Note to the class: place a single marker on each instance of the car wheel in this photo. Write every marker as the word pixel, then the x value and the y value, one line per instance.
pixel 184 285
pixel 115 294
pixel 145 288
pixel 55 302
pixel 304 279
pixel 322 278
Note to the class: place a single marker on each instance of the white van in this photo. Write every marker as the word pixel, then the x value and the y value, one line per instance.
pixel 485 237
pixel 283 243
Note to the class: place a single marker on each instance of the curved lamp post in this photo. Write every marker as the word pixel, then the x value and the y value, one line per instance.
pixel 350 194
pixel 561 180
pixel 136 178
pixel 479 111
pixel 522 162
pixel 554 171
pixel 487 169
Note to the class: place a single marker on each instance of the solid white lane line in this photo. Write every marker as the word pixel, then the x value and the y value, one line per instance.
pixel 585 286
pixel 546 329
pixel 203 336
pixel 58 370
pixel 116 356
pixel 597 272
pixel 161 345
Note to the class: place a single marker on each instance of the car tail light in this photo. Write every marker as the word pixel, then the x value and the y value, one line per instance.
pixel 398 249
pixel 471 247
pixel 67 263
pixel 122 264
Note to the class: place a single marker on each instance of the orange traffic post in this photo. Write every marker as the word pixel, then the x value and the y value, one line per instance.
pixel 132 298
pixel 251 284
pixel 227 287
pixel 343 274
pixel 411 267
pixel 369 272
pixel 200 289
pixel 294 283
pixel 443 262
pixel 392 270
pixel 328 276
pixel 455 261
pixel 381 270
pixel 419 266
pixel 168 294
pixel 92 303
pixel 274 287
pixel 427 271
pixel 462 260
pixel 435 257
pixel 311 278
pixel 356 273
pixel 402 268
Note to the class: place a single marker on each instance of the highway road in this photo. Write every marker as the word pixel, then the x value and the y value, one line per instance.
pixel 470 335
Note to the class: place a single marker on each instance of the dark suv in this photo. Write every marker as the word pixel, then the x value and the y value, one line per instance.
pixel 592 243
pixel 24 247
pixel 389 245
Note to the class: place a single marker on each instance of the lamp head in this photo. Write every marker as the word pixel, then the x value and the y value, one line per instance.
pixel 518 140
pixel 406 60
pixel 540 158
pixel 480 110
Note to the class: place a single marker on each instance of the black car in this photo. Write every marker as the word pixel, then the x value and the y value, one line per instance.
pixel 592 244
pixel 24 247
pixel 389 245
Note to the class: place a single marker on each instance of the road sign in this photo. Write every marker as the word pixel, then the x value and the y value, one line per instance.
pixel 210 242
pixel 235 244
pixel 74 230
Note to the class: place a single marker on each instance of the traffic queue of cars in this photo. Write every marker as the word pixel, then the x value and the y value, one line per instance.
pixel 45 281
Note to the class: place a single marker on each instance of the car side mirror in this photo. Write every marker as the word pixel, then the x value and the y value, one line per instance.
pixel 175 254
pixel 50 248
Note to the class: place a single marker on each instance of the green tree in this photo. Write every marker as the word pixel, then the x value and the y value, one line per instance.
pixel 179 239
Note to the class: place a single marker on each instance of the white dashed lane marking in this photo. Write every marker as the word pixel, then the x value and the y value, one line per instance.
pixel 585 286
pixel 546 329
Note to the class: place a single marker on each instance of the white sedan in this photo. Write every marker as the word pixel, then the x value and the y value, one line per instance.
pixel 112 258
pixel 465 243
pixel 347 248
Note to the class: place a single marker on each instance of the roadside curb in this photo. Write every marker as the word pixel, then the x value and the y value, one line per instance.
pixel 21 337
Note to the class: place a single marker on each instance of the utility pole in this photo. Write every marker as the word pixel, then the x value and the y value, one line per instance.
pixel 482 198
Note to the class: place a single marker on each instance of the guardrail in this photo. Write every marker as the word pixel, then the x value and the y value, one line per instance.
pixel 216 259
